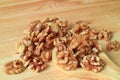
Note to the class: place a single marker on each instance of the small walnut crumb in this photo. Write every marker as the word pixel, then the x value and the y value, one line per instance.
pixel 14 67
pixel 92 63
pixel 105 34
pixel 33 24
pixel 92 34
pixel 113 45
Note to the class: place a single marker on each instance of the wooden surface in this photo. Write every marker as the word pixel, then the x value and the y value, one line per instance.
pixel 15 15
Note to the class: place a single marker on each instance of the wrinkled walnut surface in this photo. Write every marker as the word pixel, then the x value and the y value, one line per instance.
pixel 14 67
pixel 113 45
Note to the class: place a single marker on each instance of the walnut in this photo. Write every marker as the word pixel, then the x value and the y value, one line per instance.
pixel 49 44
pixel 37 64
pixel 74 43
pixel 81 44
pixel 92 63
pixel 113 45
pixel 85 48
pixel 62 23
pixel 33 24
pixel 30 48
pixel 105 34
pixel 38 49
pixel 46 55
pixel 79 40
pixel 96 47
pixel 79 55
pixel 66 60
pixel 92 34
pixel 14 67
pixel 27 55
pixel 50 36
pixel 20 48
pixel 59 44
pixel 26 42
pixel 41 37
pixel 27 33
pixel 81 26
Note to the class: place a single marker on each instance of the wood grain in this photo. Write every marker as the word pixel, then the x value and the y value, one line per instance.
pixel 15 15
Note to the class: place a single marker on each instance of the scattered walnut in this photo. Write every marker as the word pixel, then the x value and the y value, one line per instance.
pixel 92 63
pixel 14 67
pixel 113 45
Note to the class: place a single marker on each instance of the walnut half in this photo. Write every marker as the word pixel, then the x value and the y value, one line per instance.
pixel 66 60
pixel 105 34
pixel 92 63
pixel 14 67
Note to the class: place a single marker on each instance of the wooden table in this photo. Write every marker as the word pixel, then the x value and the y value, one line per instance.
pixel 15 15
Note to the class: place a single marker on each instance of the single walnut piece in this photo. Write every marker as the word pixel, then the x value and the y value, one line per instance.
pixel 20 47
pixel 105 34
pixel 46 55
pixel 92 34
pixel 66 60
pixel 75 42
pixel 92 63
pixel 33 24
pixel 80 26
pixel 37 64
pixel 14 67
pixel 113 45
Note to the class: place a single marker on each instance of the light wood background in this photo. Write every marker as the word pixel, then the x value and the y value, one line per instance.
pixel 15 15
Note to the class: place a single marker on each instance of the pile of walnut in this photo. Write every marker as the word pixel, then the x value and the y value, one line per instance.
pixel 76 46
pixel 80 48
